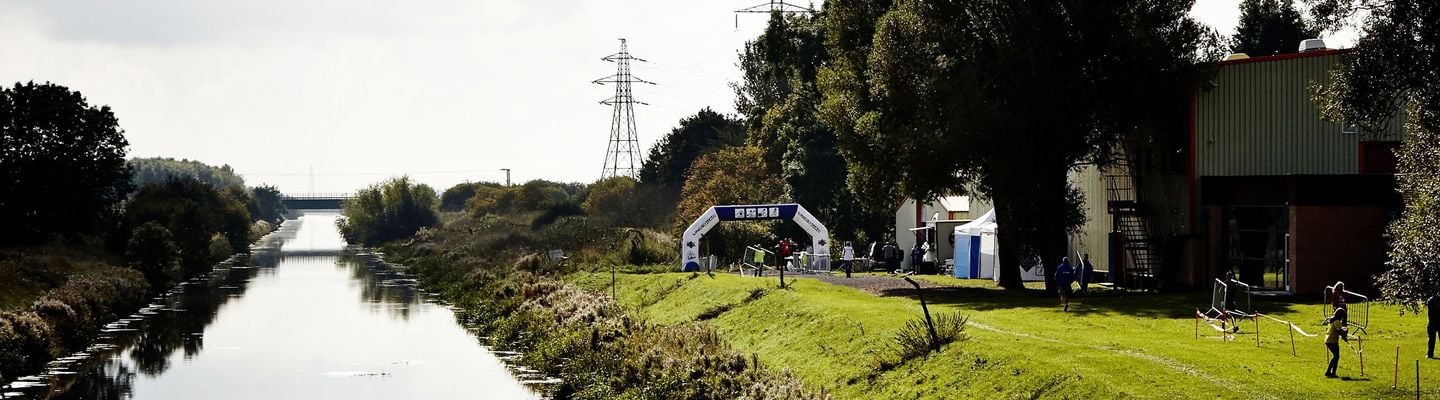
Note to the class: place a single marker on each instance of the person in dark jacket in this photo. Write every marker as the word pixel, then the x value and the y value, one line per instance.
pixel 1064 277
pixel 1087 272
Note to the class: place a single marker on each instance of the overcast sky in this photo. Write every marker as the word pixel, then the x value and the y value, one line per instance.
pixel 359 90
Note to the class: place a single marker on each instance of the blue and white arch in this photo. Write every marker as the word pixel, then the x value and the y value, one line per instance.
pixel 690 240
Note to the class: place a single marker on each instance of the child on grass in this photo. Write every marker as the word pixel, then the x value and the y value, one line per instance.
pixel 1336 330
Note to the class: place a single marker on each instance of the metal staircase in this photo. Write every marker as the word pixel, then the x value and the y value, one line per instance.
pixel 1142 271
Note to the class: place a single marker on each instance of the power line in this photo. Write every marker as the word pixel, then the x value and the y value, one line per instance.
pixel 623 152
pixel 372 173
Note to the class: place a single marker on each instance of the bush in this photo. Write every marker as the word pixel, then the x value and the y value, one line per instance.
pixel 388 211
pixel 913 340
pixel 26 343
pixel 152 251
pixel 194 213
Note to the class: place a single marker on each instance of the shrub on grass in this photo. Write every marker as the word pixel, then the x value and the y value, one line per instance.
pixel 913 340
pixel 26 343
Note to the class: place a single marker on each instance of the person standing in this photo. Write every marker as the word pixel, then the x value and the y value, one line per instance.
pixel 1087 272
pixel 1432 305
pixel 785 250
pixel 1064 277
pixel 847 258
pixel 1336 331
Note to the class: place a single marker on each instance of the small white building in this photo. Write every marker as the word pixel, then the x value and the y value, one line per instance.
pixel 911 214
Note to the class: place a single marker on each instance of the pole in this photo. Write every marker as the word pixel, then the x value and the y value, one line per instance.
pixel 1417 379
pixel 612 284
pixel 1361 352
pixel 1257 330
pixel 934 339
pixel 1292 340
pixel 507 176
pixel 1395 383
pixel 1197 324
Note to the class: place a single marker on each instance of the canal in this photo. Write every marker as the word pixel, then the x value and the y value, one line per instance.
pixel 301 318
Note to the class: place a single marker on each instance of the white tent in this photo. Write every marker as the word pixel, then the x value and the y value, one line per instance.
pixel 984 257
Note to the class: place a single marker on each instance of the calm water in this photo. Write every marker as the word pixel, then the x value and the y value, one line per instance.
pixel 297 320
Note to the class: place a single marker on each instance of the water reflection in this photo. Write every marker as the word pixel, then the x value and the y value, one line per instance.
pixel 295 319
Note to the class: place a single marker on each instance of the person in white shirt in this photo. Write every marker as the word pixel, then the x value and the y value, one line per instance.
pixel 847 258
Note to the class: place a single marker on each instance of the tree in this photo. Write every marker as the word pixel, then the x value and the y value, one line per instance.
pixel 617 202
pixel 1393 69
pixel 194 213
pixel 62 163
pixel 728 176
pixel 152 250
pixel 1270 27
pixel 388 211
pixel 267 203
pixel 697 135
pixel 161 169
pixel 781 103
pixel 455 197
pixel 1002 99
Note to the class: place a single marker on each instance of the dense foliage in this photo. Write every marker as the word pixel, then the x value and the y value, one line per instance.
pixel 161 169
pixel 454 198
pixel 671 158
pixel 621 202
pixel 62 163
pixel 781 102
pixel 388 211
pixel 153 252
pixel 266 204
pixel 933 87
pixel 206 224
pixel 1394 64
pixel 1270 27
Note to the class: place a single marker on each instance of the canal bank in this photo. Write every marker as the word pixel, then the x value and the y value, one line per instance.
pixel 299 318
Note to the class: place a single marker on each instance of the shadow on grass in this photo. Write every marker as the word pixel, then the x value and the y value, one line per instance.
pixel 1102 302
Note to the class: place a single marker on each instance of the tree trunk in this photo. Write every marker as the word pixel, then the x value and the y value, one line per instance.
pixel 1032 222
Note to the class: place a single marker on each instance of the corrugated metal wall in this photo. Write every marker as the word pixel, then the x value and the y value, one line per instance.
pixel 1260 120
pixel 1093 236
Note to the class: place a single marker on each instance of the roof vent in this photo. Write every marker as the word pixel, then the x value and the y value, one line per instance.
pixel 1312 45
pixel 1236 56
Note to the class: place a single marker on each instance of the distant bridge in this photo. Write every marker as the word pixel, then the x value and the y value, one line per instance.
pixel 315 201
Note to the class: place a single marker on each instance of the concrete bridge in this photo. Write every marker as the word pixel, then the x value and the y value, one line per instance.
pixel 315 201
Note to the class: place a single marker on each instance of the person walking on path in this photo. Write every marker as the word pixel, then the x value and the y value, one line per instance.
pixel 1336 331
pixel 1087 272
pixel 847 258
pixel 1432 305
pixel 1064 276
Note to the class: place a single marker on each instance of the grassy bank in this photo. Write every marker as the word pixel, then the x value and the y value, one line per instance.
pixel 491 270
pixel 1022 346
pixel 54 301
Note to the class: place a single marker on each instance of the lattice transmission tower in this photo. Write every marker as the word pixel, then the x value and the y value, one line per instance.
pixel 622 156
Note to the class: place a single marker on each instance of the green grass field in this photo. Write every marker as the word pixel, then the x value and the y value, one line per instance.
pixel 1023 346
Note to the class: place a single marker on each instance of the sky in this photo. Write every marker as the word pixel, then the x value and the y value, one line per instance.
pixel 328 96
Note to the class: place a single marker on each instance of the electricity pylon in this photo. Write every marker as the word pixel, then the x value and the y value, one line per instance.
pixel 776 6
pixel 623 154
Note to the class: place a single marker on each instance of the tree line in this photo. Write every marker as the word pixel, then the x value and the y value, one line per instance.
pixel 64 179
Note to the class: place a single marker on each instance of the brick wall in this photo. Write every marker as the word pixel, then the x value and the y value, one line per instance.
pixel 1330 243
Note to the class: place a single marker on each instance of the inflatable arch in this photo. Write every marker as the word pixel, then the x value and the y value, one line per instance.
pixel 690 241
